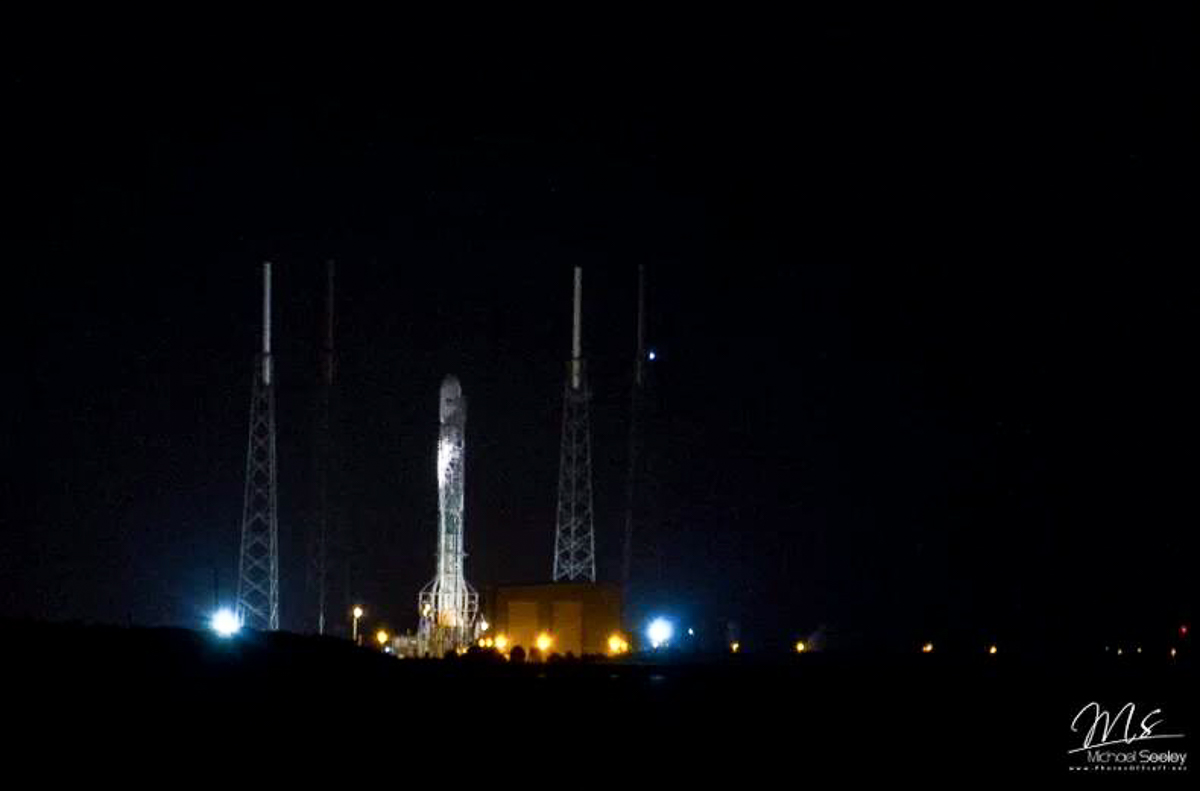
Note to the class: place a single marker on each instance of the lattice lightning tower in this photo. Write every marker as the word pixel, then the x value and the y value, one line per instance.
pixel 258 570
pixel 574 538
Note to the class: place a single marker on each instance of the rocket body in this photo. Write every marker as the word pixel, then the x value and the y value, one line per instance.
pixel 448 605
pixel 453 418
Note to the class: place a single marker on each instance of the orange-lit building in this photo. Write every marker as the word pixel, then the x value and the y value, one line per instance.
pixel 579 617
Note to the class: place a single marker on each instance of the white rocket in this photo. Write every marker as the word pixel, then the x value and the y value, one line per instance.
pixel 448 604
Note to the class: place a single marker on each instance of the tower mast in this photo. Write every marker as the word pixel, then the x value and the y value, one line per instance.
pixel 635 405
pixel 258 568
pixel 574 537
pixel 325 459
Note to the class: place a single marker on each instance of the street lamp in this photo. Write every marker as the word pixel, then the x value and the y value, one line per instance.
pixel 357 612
pixel 381 637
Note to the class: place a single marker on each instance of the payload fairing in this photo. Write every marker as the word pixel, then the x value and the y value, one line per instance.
pixel 448 605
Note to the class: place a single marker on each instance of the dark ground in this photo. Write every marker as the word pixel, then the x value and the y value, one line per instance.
pixel 167 691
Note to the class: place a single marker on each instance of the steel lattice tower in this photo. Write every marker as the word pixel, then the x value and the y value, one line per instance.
pixel 574 538
pixel 635 408
pixel 321 540
pixel 258 570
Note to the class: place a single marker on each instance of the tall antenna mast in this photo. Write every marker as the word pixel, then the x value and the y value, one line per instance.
pixel 258 567
pixel 325 458
pixel 635 404
pixel 574 537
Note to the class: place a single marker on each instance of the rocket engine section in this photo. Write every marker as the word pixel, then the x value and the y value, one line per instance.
pixel 448 604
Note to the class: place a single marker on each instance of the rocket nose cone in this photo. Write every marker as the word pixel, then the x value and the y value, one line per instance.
pixel 451 388
pixel 451 399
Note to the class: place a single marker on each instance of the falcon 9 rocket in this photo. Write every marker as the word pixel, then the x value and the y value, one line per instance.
pixel 448 605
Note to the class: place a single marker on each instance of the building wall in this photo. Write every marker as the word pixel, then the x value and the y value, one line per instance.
pixel 579 616
pixel 522 623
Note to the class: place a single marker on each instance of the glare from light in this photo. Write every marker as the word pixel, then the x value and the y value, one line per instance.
pixel 544 641
pixel 801 647
pixel 992 650
pixel 381 637
pixel 691 632
pixel 927 648
pixel 1173 652
pixel 358 612
pixel 659 632
pixel 1120 651
pixel 225 623
pixel 484 625
pixel 734 647
pixel 501 641
pixel 652 355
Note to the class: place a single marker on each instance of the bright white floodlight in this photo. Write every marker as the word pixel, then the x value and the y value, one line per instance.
pixel 225 623
pixel 659 632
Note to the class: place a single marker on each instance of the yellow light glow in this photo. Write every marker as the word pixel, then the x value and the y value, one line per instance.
pixel 927 648
pixel 735 647
pixel 617 644
pixel 484 625
pixel 544 641
pixel 992 649
pixel 381 636
pixel 801 647
pixel 501 641
pixel 1172 653
pixel 358 612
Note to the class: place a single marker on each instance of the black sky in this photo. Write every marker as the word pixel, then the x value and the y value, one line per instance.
pixel 918 290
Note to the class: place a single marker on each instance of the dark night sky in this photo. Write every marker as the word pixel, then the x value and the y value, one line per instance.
pixel 917 292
